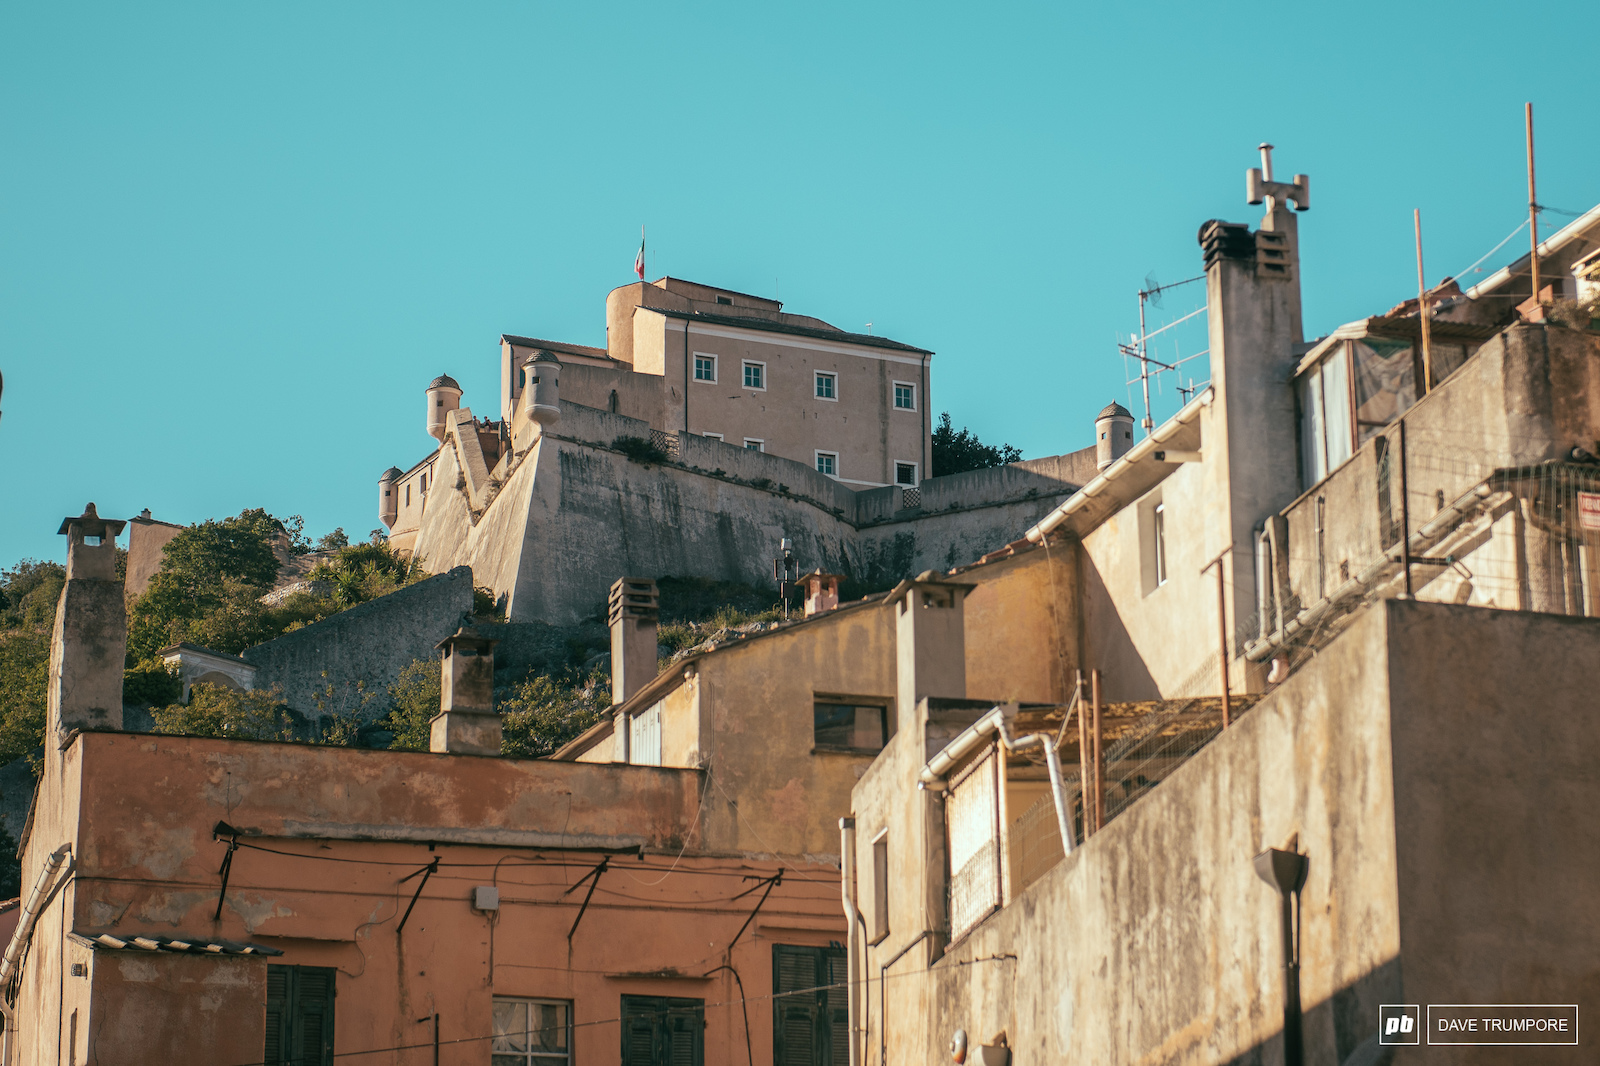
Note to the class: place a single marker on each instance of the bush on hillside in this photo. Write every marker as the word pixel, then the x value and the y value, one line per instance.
pixel 216 711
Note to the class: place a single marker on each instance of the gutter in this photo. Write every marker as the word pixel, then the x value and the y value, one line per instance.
pixel 1153 443
pixel 997 724
pixel 1553 243
pixel 11 963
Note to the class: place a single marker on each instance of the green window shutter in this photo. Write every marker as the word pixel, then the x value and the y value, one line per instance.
pixel 299 1016
pixel 663 1031
pixel 810 1019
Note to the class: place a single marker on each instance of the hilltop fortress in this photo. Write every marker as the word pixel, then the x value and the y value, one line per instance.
pixel 711 426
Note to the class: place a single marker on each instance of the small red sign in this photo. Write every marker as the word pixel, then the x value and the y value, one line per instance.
pixel 1589 510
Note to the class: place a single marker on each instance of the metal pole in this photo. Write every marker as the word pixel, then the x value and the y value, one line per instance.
pixel 1085 779
pixel 1422 308
pixel 1405 512
pixel 1144 371
pixel 1222 635
pixel 1533 203
pixel 1099 765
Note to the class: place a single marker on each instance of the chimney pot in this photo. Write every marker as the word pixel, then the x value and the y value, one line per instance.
pixel 634 612
pixel 467 723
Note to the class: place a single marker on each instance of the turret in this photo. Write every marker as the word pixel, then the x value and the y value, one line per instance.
pixel 1113 434
pixel 388 502
pixel 542 396
pixel 444 396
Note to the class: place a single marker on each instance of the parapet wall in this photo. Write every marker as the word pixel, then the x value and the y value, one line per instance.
pixel 371 642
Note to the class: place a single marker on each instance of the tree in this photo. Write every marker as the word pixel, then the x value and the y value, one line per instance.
pixel 546 712
pixel 216 711
pixel 209 587
pixel 954 452
pixel 336 539
pixel 416 696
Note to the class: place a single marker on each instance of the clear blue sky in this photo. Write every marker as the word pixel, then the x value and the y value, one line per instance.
pixel 236 241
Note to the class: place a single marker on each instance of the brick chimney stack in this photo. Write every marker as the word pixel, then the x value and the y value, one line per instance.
pixel 467 723
pixel 90 640
pixel 635 609
pixel 822 591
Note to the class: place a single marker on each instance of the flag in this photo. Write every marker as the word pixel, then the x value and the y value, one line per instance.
pixel 638 260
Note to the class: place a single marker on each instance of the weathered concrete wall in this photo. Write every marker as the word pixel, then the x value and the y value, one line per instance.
pixel 160 1007
pixel 1451 861
pixel 146 538
pixel 370 642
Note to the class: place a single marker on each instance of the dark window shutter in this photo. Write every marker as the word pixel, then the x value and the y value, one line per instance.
pixel 838 1006
pixel 663 1031
pixel 811 1019
pixel 299 1016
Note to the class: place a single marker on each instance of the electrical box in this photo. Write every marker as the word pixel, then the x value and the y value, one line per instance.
pixel 486 898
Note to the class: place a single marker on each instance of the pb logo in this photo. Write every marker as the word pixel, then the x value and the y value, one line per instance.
pixel 1399 1023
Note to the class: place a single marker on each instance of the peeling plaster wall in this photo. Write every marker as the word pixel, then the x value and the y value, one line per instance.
pixel 1452 860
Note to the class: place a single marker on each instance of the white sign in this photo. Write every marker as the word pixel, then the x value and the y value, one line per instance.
pixel 1589 510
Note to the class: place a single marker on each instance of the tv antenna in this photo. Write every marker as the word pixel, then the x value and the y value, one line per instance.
pixel 786 571
pixel 1150 296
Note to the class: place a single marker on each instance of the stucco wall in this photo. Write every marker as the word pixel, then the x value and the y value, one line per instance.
pixel 370 642
pixel 1451 857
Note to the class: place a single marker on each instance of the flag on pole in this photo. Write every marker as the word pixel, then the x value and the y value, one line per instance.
pixel 638 260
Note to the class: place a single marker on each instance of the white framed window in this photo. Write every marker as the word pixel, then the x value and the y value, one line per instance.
pixel 755 444
pixel 905 473
pixel 905 396
pixel 828 463
pixel 1160 530
pixel 827 386
pixel 532 1032
pixel 1153 569
pixel 755 375
pixel 705 367
pixel 713 436
pixel 880 886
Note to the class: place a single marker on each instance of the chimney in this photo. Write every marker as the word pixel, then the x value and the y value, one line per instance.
pixel 635 607
pixel 930 643
pixel 90 640
pixel 822 591
pixel 467 723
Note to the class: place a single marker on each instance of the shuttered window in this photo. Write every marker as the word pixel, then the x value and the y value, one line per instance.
pixel 299 1016
pixel 663 1031
pixel 810 1007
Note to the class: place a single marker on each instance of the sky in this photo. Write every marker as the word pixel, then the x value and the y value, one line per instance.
pixel 237 241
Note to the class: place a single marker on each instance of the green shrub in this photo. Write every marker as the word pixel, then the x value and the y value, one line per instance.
pixel 641 449
pixel 416 695
pixel 544 713
pixel 216 711
pixel 152 682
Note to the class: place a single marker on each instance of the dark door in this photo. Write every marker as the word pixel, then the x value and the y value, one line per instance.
pixel 663 1031
pixel 810 1007
pixel 299 1016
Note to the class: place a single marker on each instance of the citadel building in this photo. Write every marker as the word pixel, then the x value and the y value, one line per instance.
pixel 713 425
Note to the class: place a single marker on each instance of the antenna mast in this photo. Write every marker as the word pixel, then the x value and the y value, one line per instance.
pixel 1151 293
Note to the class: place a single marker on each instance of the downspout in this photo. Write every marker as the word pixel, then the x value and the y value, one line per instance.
pixel 686 377
pixel 996 724
pixel 10 964
pixel 927 437
pixel 852 915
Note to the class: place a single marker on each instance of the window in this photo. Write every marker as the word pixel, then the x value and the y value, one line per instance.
pixel 726 301
pixel 299 1016
pixel 850 726
pixel 644 738
pixel 755 444
pixel 880 886
pixel 408 495
pixel 810 1006
pixel 663 1031
pixel 905 396
pixel 713 436
pixel 1153 568
pixel 705 367
pixel 1325 399
pixel 905 473
pixel 828 463
pixel 755 375
pixel 827 386
pixel 531 1032
pixel 1160 530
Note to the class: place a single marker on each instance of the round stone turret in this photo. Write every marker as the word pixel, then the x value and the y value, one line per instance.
pixel 542 396
pixel 1113 434
pixel 388 501
pixel 444 396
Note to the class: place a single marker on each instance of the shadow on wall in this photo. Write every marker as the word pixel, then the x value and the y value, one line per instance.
pixel 1107 645
pixel 1342 1031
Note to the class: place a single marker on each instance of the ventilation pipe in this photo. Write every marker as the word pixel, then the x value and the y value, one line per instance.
pixel 853 922
pixel 997 724
pixel 11 963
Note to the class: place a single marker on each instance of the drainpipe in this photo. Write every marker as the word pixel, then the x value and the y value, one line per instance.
pixel 996 724
pixel 852 915
pixel 11 962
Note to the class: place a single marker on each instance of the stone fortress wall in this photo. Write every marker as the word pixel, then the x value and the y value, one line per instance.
pixel 561 518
